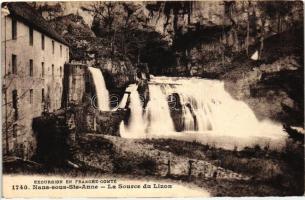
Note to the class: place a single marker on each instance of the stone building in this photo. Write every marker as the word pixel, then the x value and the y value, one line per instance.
pixel 33 59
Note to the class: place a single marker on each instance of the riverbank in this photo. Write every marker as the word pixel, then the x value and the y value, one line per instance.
pixel 249 172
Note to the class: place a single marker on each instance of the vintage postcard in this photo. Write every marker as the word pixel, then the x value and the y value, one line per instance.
pixel 152 98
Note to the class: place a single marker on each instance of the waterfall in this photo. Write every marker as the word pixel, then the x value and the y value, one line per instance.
pixel 216 110
pixel 131 88
pixel 136 123
pixel 101 90
pixel 151 121
pixel 135 127
pixel 157 113
pixel 209 114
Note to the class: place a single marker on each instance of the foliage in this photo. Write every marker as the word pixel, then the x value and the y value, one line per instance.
pixel 53 10
pixel 125 32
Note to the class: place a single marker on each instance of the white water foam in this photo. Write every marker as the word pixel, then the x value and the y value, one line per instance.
pixel 101 90
pixel 221 120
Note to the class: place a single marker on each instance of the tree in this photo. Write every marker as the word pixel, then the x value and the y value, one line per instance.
pixel 104 11
pixel 52 10
pixel 129 35
pixel 248 27
pixel 12 116
pixel 277 10
pixel 271 10
pixel 119 23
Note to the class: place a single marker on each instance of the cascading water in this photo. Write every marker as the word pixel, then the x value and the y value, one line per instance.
pixel 209 115
pixel 101 90
pixel 216 110
pixel 156 117
pixel 157 114
pixel 135 128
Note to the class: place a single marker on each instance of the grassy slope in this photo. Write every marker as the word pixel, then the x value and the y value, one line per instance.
pixel 273 173
pixel 277 173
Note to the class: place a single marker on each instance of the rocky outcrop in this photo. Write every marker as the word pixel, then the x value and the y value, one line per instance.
pixel 205 36
pixel 118 73
pixel 173 19
pixel 199 37
pixel 273 91
pixel 272 87
pixel 107 123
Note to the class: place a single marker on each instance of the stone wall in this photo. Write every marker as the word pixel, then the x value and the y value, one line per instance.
pixel 88 119
pixel 77 83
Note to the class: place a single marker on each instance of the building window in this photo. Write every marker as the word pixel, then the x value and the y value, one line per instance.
pixel 31 96
pixel 14 29
pixel 31 36
pixel 31 67
pixel 42 69
pixel 53 46
pixel 60 71
pixel 42 41
pixel 42 95
pixel 14 64
pixel 52 70
pixel 60 50
pixel 15 106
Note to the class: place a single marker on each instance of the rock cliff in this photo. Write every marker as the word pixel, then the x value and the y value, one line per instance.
pixel 206 39
pixel 206 36
pixel 273 87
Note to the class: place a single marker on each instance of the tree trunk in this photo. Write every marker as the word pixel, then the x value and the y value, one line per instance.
pixel 262 39
pixel 278 23
pixel 247 39
pixel 139 52
pixel 236 41
pixel 248 29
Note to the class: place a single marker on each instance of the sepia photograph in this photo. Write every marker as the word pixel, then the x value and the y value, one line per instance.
pixel 152 98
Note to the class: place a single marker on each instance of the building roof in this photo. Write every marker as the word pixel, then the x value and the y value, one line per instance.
pixel 24 12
